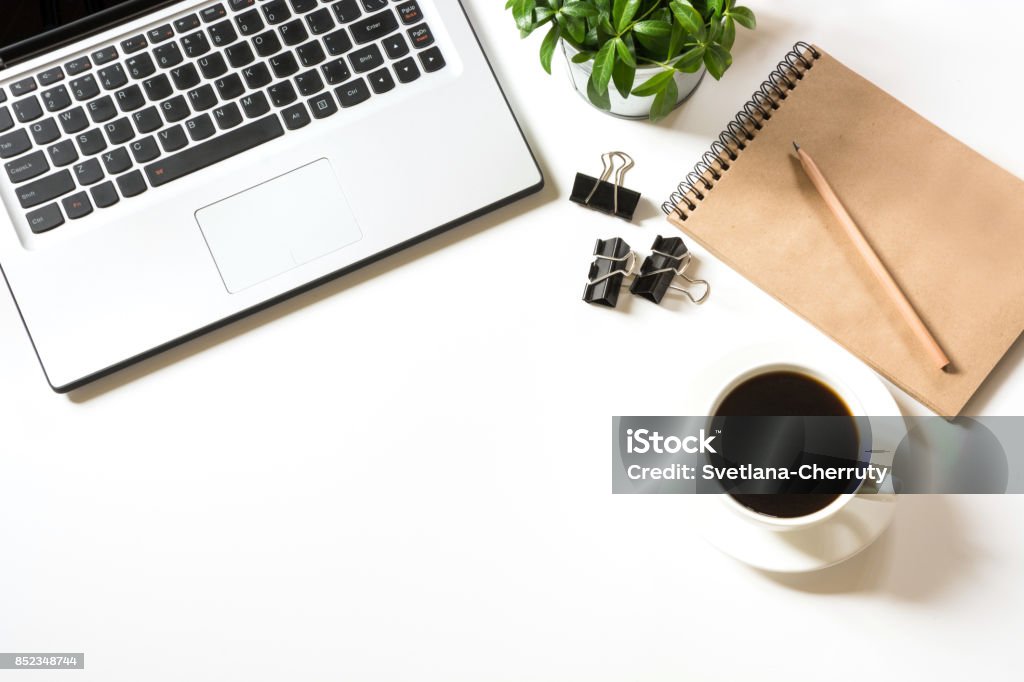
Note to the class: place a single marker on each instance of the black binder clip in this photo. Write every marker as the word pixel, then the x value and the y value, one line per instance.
pixel 601 195
pixel 613 262
pixel 669 259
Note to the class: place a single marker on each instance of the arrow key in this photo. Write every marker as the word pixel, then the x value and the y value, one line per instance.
pixel 407 71
pixel 381 81
pixel 432 60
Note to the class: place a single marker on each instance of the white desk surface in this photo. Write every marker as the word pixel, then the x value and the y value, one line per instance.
pixel 405 473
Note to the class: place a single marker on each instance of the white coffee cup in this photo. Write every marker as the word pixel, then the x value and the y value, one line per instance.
pixel 842 389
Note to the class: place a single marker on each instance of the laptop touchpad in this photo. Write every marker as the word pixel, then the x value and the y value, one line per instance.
pixel 277 226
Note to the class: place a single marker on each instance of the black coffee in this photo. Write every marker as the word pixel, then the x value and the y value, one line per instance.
pixel 751 439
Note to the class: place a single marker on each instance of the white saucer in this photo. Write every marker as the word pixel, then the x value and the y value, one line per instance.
pixel 835 539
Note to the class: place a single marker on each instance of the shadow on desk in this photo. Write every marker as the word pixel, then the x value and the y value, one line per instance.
pixel 319 293
pixel 923 554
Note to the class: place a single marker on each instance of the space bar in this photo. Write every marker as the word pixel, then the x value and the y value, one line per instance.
pixel 217 149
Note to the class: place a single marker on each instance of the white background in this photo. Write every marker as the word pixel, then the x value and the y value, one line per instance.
pixel 405 474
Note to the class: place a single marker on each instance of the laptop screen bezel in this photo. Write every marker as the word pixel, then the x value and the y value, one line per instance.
pixel 78 29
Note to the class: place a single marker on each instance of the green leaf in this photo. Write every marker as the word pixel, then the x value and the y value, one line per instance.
pixel 744 17
pixel 691 61
pixel 728 33
pixel 623 12
pixel 624 54
pixel 581 10
pixel 715 6
pixel 598 96
pixel 508 3
pixel 655 84
pixel 675 43
pixel 622 76
pixel 665 101
pixel 689 18
pixel 582 57
pixel 717 59
pixel 653 27
pixel 522 10
pixel 604 61
pixel 547 46
pixel 576 28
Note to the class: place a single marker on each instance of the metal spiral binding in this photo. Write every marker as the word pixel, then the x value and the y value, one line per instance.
pixel 741 130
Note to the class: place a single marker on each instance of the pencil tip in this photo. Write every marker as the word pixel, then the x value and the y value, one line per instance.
pixel 796 146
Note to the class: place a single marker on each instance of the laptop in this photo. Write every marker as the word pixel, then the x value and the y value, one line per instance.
pixel 169 167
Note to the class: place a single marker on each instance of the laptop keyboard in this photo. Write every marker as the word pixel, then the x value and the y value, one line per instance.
pixel 158 106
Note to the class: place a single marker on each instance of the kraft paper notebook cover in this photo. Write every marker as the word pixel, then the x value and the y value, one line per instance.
pixel 947 223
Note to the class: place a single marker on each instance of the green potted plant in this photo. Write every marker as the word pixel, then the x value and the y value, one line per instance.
pixel 635 58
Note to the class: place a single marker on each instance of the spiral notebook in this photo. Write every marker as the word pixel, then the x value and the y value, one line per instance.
pixel 948 224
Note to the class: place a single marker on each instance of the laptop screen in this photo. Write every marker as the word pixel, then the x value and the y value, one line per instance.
pixel 32 26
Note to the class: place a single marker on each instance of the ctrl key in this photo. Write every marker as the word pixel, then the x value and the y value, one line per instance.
pixel 45 219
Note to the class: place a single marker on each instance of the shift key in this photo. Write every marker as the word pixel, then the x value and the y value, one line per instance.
pixel 45 189
pixel 196 158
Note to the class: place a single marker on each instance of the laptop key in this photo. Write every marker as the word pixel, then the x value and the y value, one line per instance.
pixel 432 60
pixel 77 205
pixel 255 105
pixel 62 153
pixel 381 81
pixel 223 33
pixel 240 4
pixel 195 44
pixel 374 5
pixel 73 120
pixel 338 42
pixel 27 109
pixel 351 94
pixel 56 98
pixel 101 109
pixel 266 44
pixel 309 83
pixel 227 116
pixel 257 76
pixel 284 65
pixel 172 139
pixel 145 150
pixel 250 23
pixel 147 120
pixel 45 131
pixel 323 106
pixel 119 131
pixel 366 59
pixel 160 34
pixel 213 13
pixel 320 21
pixel 186 24
pixel 88 172
pixel 112 77
pixel 140 66
pixel 303 6
pixel 45 189
pixel 131 98
pixel 202 98
pixel 185 77
pixel 409 12
pixel 293 33
pixel 175 109
pixel 3 96
pixel 134 44
pixel 104 195
pixel 23 87
pixel 27 167
pixel 104 55
pixel 6 121
pixel 45 219
pixel 229 87
pixel 225 146
pixel 213 65
pixel 157 87
pixel 282 94
pixel 336 72
pixel 311 53
pixel 77 66
pixel 395 46
pixel 296 116
pixel 117 161
pixel 421 36
pixel 406 70
pixel 14 143
pixel 85 87
pixel 199 128
pixel 168 55
pixel 374 27
pixel 346 11
pixel 276 11
pixel 91 142
pixel 51 76
pixel 131 184
pixel 239 55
